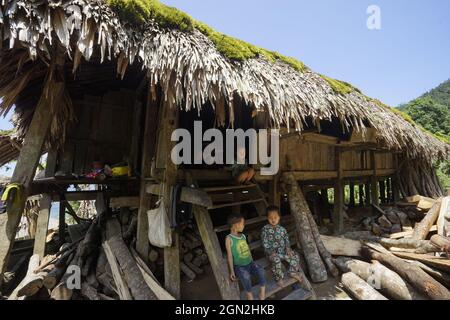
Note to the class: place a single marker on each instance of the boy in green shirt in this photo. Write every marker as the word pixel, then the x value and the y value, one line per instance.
pixel 239 257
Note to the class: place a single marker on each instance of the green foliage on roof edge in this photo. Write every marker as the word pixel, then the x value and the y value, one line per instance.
pixel 140 11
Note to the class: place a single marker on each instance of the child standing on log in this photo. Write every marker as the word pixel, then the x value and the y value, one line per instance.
pixel 239 257
pixel 277 247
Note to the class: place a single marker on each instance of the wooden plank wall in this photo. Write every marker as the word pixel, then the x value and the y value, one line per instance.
pixel 102 131
pixel 297 155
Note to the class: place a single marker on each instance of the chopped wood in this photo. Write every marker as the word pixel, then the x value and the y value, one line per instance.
pixel 416 246
pixel 122 289
pixel 187 271
pixel 389 282
pixel 418 278
pixel 445 210
pixel 32 282
pixel 360 289
pixel 436 262
pixel 443 243
pixel 341 246
pixel 132 275
pixel 423 228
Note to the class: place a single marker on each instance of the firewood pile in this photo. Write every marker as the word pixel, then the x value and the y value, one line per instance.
pixel 101 264
pixel 409 265
pixel 193 257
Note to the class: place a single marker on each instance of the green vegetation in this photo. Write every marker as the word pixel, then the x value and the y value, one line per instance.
pixel 432 112
pixel 340 87
pixel 140 11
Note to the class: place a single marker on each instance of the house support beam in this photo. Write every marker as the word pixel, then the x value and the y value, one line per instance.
pixel 338 210
pixel 30 154
pixel 44 211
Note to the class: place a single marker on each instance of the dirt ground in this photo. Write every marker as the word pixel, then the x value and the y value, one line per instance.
pixel 204 287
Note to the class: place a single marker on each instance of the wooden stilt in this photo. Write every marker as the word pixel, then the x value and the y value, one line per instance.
pixel 338 210
pixel 382 186
pixel 352 194
pixel 361 195
pixel 44 210
pixel 172 277
pixel 274 191
pixel 30 154
pixel 367 200
pixel 389 190
pixel 373 181
pixel 62 222
pixel 148 149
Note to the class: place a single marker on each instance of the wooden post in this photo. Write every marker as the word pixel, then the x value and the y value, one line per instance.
pixel 361 195
pixel 228 290
pixel 44 210
pixel 338 209
pixel 382 186
pixel 62 221
pixel 352 194
pixel 148 146
pixel 373 180
pixel 274 191
pixel 30 154
pixel 389 190
pixel 367 200
pixel 172 277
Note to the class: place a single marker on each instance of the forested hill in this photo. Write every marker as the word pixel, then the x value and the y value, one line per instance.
pixel 432 110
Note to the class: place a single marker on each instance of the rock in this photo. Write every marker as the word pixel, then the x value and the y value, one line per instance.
pixel 392 216
pixel 396 228
pixel 376 229
pixel 385 222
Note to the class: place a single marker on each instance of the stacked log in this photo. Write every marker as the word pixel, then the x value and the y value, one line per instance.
pixel 101 265
pixel 193 256
pixel 414 266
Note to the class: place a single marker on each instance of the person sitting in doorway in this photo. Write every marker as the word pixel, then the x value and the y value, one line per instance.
pixel 240 260
pixel 241 172
pixel 277 247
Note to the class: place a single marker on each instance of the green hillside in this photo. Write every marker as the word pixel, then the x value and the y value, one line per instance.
pixel 432 111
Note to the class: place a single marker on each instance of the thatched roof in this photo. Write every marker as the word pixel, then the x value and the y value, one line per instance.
pixel 192 63
pixel 9 148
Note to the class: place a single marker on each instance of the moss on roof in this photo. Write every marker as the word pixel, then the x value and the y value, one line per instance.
pixel 407 118
pixel 140 11
pixel 339 86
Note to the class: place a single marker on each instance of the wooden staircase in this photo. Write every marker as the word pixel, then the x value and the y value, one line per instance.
pixel 233 197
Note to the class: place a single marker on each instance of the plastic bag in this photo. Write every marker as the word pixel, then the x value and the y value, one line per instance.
pixel 159 232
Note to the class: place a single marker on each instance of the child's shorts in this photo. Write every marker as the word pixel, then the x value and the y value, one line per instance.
pixel 244 273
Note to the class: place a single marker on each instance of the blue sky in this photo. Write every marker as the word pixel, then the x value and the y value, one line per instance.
pixel 407 57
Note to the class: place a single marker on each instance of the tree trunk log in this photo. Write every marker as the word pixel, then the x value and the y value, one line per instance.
pixel 414 246
pixel 423 228
pixel 299 208
pixel 32 282
pixel 391 284
pixel 418 278
pixel 132 274
pixel 360 289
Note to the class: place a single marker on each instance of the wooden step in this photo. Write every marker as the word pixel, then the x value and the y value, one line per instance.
pixel 237 203
pixel 247 223
pixel 257 244
pixel 229 188
pixel 271 288
pixel 298 294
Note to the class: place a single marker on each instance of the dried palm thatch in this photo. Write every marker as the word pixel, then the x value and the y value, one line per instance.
pixel 191 63
pixel 9 148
